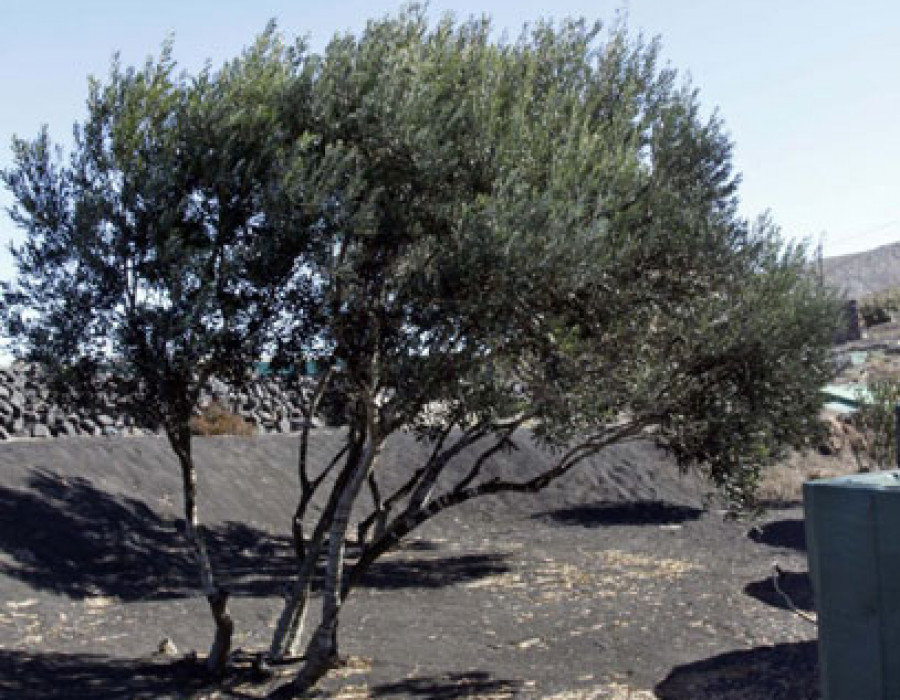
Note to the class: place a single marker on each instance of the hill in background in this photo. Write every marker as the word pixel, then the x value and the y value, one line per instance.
pixel 862 274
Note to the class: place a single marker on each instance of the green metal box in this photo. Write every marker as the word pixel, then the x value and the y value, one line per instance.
pixel 853 543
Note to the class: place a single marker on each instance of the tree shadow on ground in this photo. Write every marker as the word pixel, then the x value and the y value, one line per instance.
pixel 795 584
pixel 611 513
pixel 57 676
pixel 780 672
pixel 418 545
pixel 434 572
pixel 40 676
pixel 67 536
pixel 462 685
pixel 787 534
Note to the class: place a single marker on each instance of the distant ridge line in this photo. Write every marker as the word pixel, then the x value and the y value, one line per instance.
pixel 861 274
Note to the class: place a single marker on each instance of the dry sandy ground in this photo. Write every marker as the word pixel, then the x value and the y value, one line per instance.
pixel 613 583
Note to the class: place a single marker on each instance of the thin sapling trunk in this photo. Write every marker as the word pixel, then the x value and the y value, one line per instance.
pixel 180 439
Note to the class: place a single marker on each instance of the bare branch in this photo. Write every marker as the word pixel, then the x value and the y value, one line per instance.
pixel 306 496
pixel 404 490
pixel 309 410
pixel 776 574
pixel 378 514
pixel 482 458
pixel 406 522
pixel 436 464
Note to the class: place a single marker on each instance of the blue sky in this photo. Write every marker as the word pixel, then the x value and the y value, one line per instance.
pixel 808 89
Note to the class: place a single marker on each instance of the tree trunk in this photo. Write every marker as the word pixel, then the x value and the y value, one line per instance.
pixel 289 630
pixel 221 648
pixel 180 439
pixel 325 640
pixel 322 649
pixel 290 624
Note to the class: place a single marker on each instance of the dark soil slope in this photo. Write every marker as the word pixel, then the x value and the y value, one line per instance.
pixel 57 496
pixel 610 581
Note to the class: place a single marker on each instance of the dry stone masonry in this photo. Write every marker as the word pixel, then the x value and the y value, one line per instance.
pixel 27 409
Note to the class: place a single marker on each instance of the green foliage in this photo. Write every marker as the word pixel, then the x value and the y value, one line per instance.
pixel 875 420
pixel 467 236
pixel 160 246
pixel 550 227
pixel 467 230
pixel 159 243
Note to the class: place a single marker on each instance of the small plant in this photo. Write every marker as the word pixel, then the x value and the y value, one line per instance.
pixel 875 421
pixel 218 419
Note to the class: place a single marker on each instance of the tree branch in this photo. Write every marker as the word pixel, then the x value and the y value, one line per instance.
pixel 406 522
pixel 291 616
pixel 503 441
pixel 306 496
pixel 378 515
pixel 402 491
pixel 309 410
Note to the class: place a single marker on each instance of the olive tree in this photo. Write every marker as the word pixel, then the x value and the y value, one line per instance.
pixel 527 240
pixel 157 250
pixel 480 241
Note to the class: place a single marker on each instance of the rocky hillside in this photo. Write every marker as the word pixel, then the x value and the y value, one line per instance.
pixel 861 274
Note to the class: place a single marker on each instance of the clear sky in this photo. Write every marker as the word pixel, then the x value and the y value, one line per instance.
pixel 808 89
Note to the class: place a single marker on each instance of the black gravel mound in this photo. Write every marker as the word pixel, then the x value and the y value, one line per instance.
pixel 609 583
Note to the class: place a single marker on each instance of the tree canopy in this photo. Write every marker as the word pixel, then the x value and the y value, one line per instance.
pixel 158 249
pixel 479 239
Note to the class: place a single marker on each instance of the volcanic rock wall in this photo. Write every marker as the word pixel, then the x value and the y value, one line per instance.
pixel 28 410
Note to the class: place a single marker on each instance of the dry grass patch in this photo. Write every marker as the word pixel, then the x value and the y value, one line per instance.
pixel 612 691
pixel 353 692
pixel 641 566
pixel 352 666
pixel 218 419
pixel 783 483
pixel 619 571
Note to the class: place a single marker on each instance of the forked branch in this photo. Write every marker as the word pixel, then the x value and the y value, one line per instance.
pixel 408 521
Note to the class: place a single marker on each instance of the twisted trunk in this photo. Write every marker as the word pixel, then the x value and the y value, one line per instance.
pixel 289 629
pixel 322 649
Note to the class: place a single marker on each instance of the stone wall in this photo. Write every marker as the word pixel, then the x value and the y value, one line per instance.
pixel 28 410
